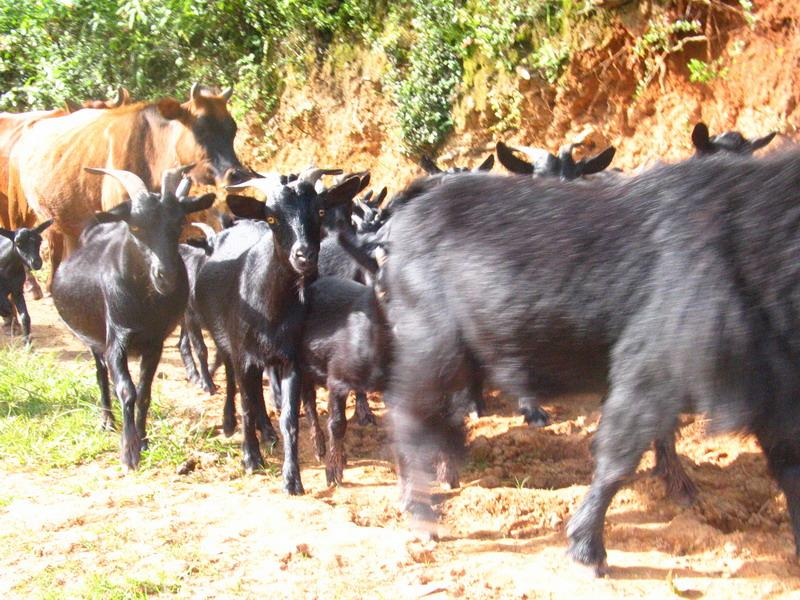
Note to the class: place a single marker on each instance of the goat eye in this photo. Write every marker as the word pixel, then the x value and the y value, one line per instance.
pixel 272 220
pixel 321 212
pixel 134 228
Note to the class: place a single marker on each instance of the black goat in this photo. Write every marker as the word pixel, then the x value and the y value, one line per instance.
pixel 194 256
pixel 729 141
pixel 16 258
pixel 675 290
pixel 431 168
pixel 544 164
pixel 125 289
pixel 250 295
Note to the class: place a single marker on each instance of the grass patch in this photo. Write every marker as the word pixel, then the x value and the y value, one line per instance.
pixel 50 417
pixel 48 412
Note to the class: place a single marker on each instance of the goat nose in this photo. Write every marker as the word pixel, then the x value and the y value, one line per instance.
pixel 305 256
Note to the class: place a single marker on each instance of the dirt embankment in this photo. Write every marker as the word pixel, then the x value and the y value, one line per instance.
pixel 343 115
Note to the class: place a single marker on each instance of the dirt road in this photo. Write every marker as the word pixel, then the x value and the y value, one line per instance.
pixel 90 530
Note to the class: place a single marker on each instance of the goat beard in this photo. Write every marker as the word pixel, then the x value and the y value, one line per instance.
pixel 302 283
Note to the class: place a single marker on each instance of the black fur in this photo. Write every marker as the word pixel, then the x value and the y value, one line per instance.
pixel 675 290
pixel 250 294
pixel 122 292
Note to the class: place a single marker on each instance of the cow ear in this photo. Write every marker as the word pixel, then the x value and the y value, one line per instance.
pixel 700 137
pixel 341 193
pixel 487 164
pixel 599 162
pixel 170 108
pixel 759 143
pixel 121 212
pixel 42 226
pixel 195 203
pixel 6 233
pixel 510 161
pixel 246 207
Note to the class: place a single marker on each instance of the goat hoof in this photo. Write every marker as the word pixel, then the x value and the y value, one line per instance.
pixel 588 550
pixel 209 388
pixel 269 439
pixel 535 417
pixel 229 426
pixel 145 444
pixel 292 485
pixel 252 463
pixel 108 424
pixel 130 457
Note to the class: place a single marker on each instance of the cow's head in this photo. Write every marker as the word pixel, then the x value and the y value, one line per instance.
pixel 27 243
pixel 206 138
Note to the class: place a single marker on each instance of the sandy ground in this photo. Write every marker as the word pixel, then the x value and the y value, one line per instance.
pixel 218 533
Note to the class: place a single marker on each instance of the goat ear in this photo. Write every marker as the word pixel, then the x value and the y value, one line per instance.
pixel 379 198
pixel 510 161
pixel 759 143
pixel 700 137
pixel 246 207
pixel 170 109
pixel 429 166
pixel 6 233
pixel 195 203
pixel 599 162
pixel 364 183
pixel 341 193
pixel 42 226
pixel 487 164
pixel 121 212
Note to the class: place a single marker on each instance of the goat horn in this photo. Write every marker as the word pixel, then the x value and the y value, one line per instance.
pixel 196 91
pixel 135 187
pixel 207 230
pixel 266 185
pixel 312 174
pixel 227 93
pixel 171 179
pixel 183 187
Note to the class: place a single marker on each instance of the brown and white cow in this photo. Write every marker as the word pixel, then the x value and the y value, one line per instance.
pixel 46 163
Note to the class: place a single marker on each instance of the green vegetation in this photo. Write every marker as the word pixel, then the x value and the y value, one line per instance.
pixel 435 50
pixel 49 418
pixel 48 413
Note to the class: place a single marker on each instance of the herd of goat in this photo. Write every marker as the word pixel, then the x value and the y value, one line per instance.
pixel 673 290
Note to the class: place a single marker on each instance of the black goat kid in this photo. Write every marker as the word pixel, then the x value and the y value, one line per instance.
pixel 124 290
pixel 250 294
pixel 21 254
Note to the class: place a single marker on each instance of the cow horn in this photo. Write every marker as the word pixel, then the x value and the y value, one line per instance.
pixel 117 101
pixel 227 93
pixel 268 185
pixel 171 179
pixel 135 187
pixel 196 91
pixel 207 230
pixel 312 174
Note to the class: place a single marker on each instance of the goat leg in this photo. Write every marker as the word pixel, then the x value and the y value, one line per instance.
pixel 337 426
pixel 117 360
pixel 24 318
pixel 290 392
pixel 147 370
pixel 364 414
pixel 107 422
pixel 668 466
pixel 309 393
